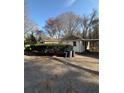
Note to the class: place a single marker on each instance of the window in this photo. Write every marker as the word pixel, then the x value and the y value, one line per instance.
pixel 74 43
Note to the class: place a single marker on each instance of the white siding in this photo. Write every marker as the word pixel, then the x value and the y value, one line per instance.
pixel 79 46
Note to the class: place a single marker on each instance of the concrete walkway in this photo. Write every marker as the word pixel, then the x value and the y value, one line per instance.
pixel 81 61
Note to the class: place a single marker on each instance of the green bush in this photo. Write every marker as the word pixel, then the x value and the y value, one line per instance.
pixel 49 49
pixel 27 48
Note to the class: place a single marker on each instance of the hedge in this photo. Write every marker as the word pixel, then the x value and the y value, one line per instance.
pixel 49 49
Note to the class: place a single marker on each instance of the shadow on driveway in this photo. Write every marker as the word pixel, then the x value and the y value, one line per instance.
pixel 76 66
pixel 39 79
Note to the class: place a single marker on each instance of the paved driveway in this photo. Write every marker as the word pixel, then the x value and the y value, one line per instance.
pixel 48 75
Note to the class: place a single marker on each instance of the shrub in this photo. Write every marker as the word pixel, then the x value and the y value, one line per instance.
pixel 27 48
pixel 49 49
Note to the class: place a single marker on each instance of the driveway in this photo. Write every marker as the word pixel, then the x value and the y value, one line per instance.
pixel 44 74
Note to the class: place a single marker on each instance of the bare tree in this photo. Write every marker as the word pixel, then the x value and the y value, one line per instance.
pixel 53 27
pixel 84 26
pixel 50 28
pixel 64 24
pixel 69 22
pixel 58 27
pixel 29 25
pixel 88 23
pixel 95 33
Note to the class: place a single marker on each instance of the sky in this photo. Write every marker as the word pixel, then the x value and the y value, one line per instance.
pixel 41 10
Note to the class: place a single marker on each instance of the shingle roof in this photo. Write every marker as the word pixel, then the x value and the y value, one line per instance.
pixel 72 37
pixel 51 40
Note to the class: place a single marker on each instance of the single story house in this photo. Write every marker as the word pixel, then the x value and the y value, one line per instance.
pixel 51 41
pixel 80 45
